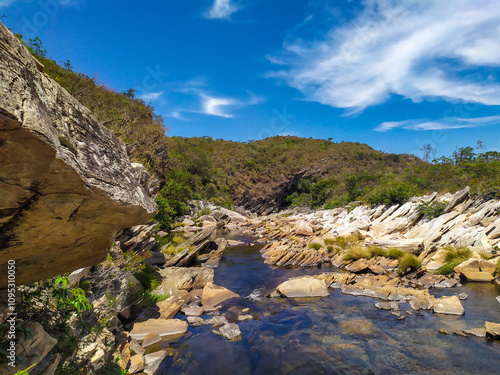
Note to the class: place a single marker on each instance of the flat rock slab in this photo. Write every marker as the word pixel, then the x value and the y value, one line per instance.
pixel 492 330
pixel 479 332
pixel 303 287
pixel 485 277
pixel 214 294
pixel 193 310
pixel 153 361
pixel 387 305
pixel 448 305
pixel 163 327
pixel 476 265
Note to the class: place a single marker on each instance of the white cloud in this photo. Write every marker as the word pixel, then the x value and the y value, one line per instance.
pixel 221 9
pixel 212 106
pixel 151 96
pixel 448 123
pixel 416 49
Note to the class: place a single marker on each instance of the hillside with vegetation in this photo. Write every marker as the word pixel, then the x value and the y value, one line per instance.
pixel 269 174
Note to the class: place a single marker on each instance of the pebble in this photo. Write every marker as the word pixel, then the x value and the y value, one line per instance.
pixel 443 331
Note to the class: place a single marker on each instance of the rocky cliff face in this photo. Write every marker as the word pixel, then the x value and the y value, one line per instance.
pixel 66 183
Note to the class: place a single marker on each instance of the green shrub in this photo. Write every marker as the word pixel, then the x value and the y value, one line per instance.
pixel 408 261
pixel 431 210
pixel 149 278
pixel 394 253
pixel 393 193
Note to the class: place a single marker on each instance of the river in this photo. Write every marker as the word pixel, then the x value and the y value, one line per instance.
pixel 340 334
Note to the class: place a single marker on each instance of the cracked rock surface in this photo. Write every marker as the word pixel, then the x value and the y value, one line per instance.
pixel 66 182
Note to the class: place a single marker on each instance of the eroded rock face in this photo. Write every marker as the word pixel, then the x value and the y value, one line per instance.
pixel 66 183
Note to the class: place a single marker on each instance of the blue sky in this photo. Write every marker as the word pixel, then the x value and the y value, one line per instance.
pixel 393 74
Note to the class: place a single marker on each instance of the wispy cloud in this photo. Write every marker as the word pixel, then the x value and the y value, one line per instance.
pixel 221 9
pixel 214 106
pixel 449 123
pixel 416 49
pixel 151 96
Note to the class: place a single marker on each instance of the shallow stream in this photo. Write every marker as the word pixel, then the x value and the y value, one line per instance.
pixel 333 335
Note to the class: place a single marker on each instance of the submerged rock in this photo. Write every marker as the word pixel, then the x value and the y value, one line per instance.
pixel 230 331
pixel 303 287
pixel 359 327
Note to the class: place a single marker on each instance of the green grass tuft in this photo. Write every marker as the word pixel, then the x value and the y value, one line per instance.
pixel 408 261
pixel 315 246
pixel 448 267
pixel 453 253
pixel 394 253
pixel 376 251
pixel 357 252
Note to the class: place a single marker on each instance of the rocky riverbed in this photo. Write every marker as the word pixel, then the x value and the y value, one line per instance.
pixel 352 290
pixel 279 291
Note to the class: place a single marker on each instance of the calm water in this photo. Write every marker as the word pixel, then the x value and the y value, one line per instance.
pixel 306 337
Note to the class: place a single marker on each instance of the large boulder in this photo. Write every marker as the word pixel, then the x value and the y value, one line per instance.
pixel 303 229
pixel 66 182
pixel 303 287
